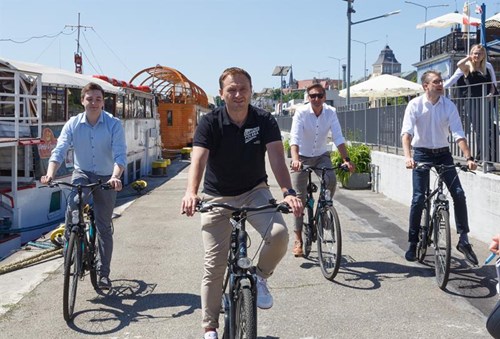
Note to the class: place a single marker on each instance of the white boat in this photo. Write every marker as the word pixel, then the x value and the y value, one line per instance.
pixel 35 102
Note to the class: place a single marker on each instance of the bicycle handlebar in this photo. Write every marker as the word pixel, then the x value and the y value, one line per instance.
pixel 429 165
pixel 203 207
pixel 342 167
pixel 55 183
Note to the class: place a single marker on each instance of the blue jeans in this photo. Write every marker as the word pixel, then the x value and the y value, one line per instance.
pixel 420 183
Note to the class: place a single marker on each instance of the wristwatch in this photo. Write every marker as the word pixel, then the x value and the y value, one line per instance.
pixel 471 158
pixel 289 191
pixel 347 159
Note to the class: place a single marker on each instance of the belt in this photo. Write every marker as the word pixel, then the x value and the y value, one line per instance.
pixel 433 150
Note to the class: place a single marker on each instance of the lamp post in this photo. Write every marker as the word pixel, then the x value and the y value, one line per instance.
pixel 281 71
pixel 425 7
pixel 365 43
pixel 338 74
pixel 351 10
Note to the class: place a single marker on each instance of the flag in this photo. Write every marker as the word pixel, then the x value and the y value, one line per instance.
pixel 479 9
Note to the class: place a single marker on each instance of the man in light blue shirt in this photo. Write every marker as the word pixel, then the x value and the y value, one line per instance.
pixel 100 153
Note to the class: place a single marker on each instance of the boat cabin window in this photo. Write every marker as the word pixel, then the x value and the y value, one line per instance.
pixel 149 109
pixel 74 102
pixel 119 106
pixel 53 104
pixel 55 202
pixel 109 103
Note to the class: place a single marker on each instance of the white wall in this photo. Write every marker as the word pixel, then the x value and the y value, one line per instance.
pixel 481 189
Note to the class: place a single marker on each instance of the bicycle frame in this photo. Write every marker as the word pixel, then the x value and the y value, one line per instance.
pixel 240 272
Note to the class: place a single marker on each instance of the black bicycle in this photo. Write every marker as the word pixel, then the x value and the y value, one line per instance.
pixel 81 250
pixel 239 299
pixel 322 225
pixel 435 225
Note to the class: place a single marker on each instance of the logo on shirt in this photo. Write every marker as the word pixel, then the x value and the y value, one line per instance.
pixel 251 134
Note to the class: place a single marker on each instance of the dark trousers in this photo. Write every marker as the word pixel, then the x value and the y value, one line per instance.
pixel 420 183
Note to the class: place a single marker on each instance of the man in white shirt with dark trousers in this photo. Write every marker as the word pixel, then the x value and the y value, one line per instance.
pixel 427 123
pixel 308 141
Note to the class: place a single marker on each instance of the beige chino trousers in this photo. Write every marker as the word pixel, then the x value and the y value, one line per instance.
pixel 216 232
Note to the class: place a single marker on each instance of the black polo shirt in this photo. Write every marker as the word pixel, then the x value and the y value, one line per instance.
pixel 236 161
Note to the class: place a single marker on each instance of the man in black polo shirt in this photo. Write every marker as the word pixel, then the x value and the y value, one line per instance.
pixel 231 142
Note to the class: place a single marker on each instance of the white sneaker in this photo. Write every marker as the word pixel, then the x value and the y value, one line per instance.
pixel 210 335
pixel 264 297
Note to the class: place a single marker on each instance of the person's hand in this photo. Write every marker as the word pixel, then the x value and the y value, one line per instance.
pixel 295 204
pixel 45 179
pixel 471 164
pixel 410 163
pixel 295 165
pixel 350 166
pixel 189 202
pixel 116 183
pixel 494 246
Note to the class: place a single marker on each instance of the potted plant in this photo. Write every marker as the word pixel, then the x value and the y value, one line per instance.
pixel 287 147
pixel 360 155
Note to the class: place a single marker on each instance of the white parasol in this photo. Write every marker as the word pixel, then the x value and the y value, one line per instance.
pixel 450 19
pixel 384 86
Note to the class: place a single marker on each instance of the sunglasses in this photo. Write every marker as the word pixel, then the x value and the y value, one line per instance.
pixel 314 96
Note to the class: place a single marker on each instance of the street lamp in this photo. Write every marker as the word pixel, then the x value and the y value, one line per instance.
pixel 319 73
pixel 425 7
pixel 338 76
pixel 351 10
pixel 365 43
pixel 281 71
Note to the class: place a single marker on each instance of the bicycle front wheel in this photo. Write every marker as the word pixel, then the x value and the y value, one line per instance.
pixel 93 251
pixel 442 246
pixel 72 269
pixel 422 237
pixel 246 314
pixel 329 242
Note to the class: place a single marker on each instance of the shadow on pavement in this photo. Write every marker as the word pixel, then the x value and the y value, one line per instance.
pixel 131 301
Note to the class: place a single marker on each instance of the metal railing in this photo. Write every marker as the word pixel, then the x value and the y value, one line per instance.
pixel 378 123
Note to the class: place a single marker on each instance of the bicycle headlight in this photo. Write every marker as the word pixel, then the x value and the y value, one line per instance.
pixel 244 262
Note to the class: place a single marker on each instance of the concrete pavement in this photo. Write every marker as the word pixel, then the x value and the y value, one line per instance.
pixel 157 268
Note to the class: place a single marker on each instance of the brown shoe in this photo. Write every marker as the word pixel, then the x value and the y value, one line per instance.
pixel 297 249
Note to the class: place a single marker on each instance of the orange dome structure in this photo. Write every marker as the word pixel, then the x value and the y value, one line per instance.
pixel 180 102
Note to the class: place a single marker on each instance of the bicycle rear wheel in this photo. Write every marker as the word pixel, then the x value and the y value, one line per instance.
pixel 329 242
pixel 307 231
pixel 442 246
pixel 72 269
pixel 246 314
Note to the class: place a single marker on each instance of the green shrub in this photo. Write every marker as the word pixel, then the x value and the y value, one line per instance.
pixel 360 155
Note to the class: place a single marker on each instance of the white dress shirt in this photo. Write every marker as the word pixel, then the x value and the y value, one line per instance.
pixel 429 124
pixel 310 132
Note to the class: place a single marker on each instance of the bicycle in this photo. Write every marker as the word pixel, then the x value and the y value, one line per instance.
pixel 81 250
pixel 322 225
pixel 239 299
pixel 435 224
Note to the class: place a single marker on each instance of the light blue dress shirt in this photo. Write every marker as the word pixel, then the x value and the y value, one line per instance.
pixel 96 148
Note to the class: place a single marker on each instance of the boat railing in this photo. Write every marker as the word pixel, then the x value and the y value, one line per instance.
pixel 20 105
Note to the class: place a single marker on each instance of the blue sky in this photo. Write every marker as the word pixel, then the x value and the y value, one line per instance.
pixel 201 38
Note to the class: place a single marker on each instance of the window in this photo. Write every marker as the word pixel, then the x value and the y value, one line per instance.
pixel 119 106
pixel 55 202
pixel 54 104
pixel 74 102
pixel 169 118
